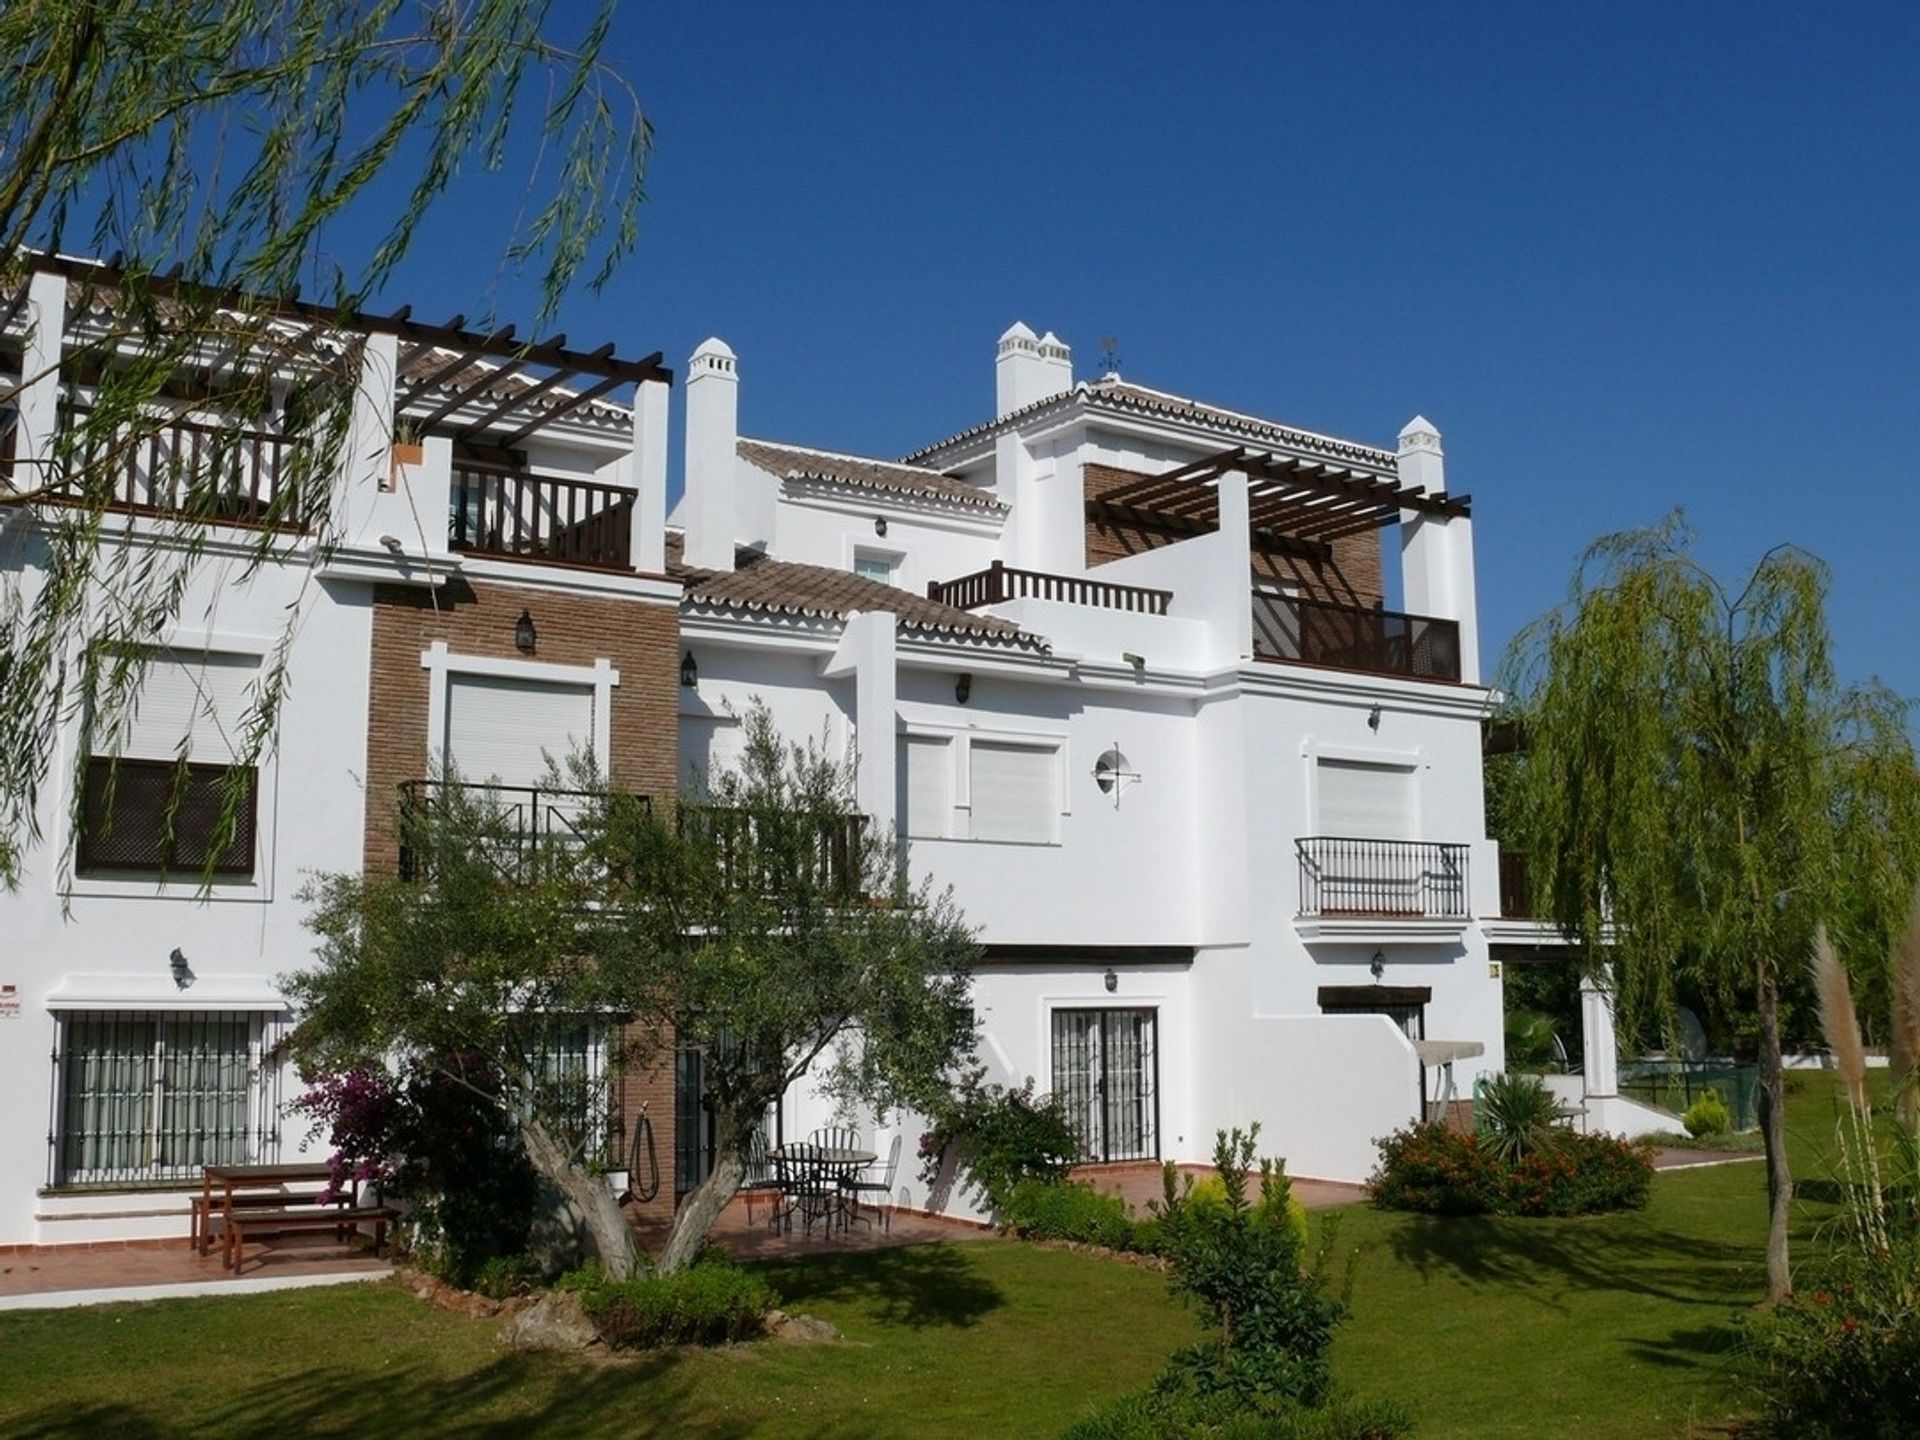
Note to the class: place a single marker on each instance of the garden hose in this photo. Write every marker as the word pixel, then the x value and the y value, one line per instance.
pixel 643 1190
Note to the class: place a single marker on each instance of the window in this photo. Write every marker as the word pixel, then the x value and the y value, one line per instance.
pixel 1015 792
pixel 160 779
pixel 874 565
pixel 926 769
pixel 1367 801
pixel 146 1096
pixel 502 729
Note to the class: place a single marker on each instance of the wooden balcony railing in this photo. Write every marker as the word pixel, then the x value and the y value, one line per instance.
pixel 1352 637
pixel 1516 886
pixel 516 516
pixel 514 826
pixel 187 469
pixel 824 850
pixel 1391 879
pixel 999 583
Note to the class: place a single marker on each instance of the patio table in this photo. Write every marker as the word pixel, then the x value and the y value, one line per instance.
pixel 827 1166
pixel 244 1183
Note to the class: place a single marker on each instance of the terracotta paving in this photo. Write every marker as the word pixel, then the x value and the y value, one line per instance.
pixel 1139 1181
pixel 747 1233
pixel 173 1262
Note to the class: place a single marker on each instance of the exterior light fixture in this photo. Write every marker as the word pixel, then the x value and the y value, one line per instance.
pixel 1112 980
pixel 689 672
pixel 1373 719
pixel 1378 967
pixel 182 972
pixel 962 688
pixel 879 524
pixel 525 637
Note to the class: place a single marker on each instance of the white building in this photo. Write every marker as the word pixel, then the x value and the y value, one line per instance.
pixel 141 1015
pixel 1117 666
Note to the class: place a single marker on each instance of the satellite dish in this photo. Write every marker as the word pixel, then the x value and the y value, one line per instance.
pixel 1691 1034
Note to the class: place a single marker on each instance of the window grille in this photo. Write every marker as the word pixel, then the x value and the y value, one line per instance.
pixel 140 1096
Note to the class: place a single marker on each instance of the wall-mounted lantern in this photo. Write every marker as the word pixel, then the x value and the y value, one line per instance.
pixel 963 688
pixel 525 637
pixel 689 672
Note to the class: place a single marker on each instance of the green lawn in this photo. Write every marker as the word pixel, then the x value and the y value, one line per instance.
pixel 1618 1326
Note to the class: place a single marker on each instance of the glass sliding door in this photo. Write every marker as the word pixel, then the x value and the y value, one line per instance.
pixel 1106 1071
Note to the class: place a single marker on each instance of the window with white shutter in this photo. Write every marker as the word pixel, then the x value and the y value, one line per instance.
pixel 926 770
pixel 1365 801
pixel 710 749
pixel 502 730
pixel 1015 792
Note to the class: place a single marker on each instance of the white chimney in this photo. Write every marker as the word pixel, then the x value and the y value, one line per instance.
pixel 713 432
pixel 1422 462
pixel 1029 368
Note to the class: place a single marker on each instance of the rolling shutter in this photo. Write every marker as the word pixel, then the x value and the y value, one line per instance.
pixel 710 749
pixel 1365 801
pixel 1015 793
pixel 926 763
pixel 200 700
pixel 502 730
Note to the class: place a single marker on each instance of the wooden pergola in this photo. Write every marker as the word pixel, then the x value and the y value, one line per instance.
pixel 1302 501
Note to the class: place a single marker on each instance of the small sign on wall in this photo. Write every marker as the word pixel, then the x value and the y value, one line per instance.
pixel 9 1001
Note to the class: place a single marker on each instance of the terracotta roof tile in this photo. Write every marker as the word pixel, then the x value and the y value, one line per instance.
pixel 798 462
pixel 782 587
pixel 1116 395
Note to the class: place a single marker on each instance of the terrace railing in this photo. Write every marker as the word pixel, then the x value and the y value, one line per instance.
pixel 999 583
pixel 1353 637
pixel 1344 875
pixel 194 470
pixel 517 516
pixel 824 850
pixel 514 826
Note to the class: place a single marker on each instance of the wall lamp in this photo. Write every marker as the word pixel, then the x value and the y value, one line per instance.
pixel 1112 980
pixel 880 525
pixel 181 971
pixel 525 637
pixel 962 688
pixel 1373 719
pixel 1378 966
pixel 689 672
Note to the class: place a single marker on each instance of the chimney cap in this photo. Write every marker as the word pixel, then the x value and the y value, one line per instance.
pixel 1419 433
pixel 1018 331
pixel 713 347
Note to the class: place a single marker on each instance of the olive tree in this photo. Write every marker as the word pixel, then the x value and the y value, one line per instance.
pixel 1698 789
pixel 224 154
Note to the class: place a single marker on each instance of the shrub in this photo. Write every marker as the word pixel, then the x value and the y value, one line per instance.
pixel 1707 1116
pixel 1211 1194
pixel 1149 1417
pixel 1268 1318
pixel 1433 1170
pixel 1002 1136
pixel 711 1302
pixel 1516 1117
pixel 500 1276
pixel 1581 1175
pixel 1053 1210
pixel 1436 1171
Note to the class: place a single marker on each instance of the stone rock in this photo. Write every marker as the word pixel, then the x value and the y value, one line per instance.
pixel 556 1321
pixel 800 1329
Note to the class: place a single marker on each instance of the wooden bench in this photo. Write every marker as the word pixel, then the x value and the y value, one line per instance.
pixel 287 1219
pixel 208 1208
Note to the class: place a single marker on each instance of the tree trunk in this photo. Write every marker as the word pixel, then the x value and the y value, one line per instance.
pixel 701 1208
pixel 618 1251
pixel 1773 1129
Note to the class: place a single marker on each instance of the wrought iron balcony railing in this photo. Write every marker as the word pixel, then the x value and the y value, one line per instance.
pixel 999 583
pixel 513 826
pixel 1353 637
pixel 1389 879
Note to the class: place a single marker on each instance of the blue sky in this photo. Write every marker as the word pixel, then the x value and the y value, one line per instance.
pixel 1626 258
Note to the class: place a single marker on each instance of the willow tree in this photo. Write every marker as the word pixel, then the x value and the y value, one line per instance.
pixel 225 153
pixel 1698 790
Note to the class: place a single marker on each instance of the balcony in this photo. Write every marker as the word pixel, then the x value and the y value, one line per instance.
pixel 1344 877
pixel 1516 886
pixel 1000 583
pixel 185 469
pixel 515 826
pixel 823 849
pixel 511 515
pixel 1352 637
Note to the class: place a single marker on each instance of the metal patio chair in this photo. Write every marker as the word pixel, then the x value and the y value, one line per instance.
pixel 854 1186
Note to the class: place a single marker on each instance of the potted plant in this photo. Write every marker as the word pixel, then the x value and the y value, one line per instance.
pixel 407 449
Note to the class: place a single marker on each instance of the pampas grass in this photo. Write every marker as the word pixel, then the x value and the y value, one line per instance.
pixel 1860 1159
pixel 1838 1022
pixel 1905 1028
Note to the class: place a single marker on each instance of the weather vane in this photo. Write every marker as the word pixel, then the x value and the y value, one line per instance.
pixel 1109 355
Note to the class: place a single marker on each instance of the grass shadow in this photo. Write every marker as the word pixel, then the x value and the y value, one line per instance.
pixel 916 1286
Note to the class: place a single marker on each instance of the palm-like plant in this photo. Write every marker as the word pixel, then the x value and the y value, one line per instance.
pixel 1517 1117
